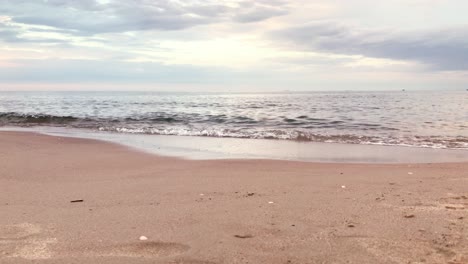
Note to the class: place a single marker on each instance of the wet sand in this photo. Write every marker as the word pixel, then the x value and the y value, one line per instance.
pixel 222 211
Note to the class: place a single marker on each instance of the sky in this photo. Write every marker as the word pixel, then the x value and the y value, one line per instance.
pixel 233 45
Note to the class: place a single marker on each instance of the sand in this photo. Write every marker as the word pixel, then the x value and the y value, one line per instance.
pixel 223 211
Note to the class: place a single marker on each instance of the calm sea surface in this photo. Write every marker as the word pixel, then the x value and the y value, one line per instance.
pixel 423 119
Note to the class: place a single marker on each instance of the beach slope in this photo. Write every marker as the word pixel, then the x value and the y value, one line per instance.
pixel 68 200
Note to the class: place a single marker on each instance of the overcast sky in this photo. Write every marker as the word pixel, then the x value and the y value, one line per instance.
pixel 233 45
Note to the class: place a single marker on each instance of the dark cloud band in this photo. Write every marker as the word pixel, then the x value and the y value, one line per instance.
pixel 444 49
pixel 92 17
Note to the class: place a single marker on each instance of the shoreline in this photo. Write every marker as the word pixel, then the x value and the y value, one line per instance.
pixel 72 200
pixel 216 148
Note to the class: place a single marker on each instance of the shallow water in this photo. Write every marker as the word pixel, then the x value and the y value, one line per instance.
pixel 202 148
pixel 422 119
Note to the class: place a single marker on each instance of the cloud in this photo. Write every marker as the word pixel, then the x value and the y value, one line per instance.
pixel 85 71
pixel 14 36
pixel 444 49
pixel 11 32
pixel 8 35
pixel 91 17
pixel 253 12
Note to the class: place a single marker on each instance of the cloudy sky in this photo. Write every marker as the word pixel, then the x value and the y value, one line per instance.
pixel 233 45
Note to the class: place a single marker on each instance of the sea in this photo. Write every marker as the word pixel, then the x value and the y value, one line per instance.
pixel 426 119
pixel 420 119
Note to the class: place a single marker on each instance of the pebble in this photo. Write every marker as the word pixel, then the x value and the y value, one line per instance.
pixel 143 238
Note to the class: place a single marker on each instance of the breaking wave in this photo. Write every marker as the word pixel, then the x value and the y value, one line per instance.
pixel 300 128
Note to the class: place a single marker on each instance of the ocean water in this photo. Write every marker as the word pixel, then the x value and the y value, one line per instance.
pixel 422 119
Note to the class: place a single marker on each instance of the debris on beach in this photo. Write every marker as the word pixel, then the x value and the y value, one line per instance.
pixel 76 201
pixel 270 202
pixel 381 198
pixel 351 225
pixel 409 216
pixel 250 194
pixel 243 236
pixel 143 238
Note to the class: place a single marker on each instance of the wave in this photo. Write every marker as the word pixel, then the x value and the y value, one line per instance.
pixel 25 119
pixel 160 123
pixel 302 136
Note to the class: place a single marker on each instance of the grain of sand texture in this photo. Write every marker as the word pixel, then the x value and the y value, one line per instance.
pixel 224 211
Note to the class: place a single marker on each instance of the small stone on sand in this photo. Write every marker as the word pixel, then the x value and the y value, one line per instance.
pixel 143 238
pixel 243 236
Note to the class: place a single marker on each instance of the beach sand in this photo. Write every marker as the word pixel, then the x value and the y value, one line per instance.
pixel 223 211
